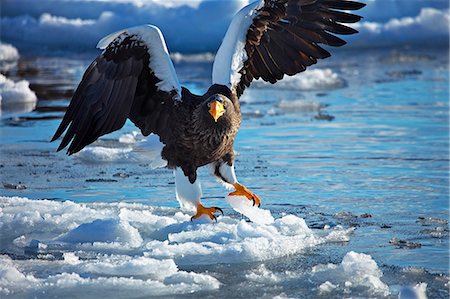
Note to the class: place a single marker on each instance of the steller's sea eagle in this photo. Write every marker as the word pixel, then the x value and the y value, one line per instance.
pixel 134 78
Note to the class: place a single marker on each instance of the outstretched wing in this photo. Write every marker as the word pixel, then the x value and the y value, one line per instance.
pixel 271 38
pixel 133 78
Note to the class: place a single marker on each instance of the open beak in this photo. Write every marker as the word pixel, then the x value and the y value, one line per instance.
pixel 216 110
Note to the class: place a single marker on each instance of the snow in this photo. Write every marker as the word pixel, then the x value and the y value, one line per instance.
pixel 8 52
pixel 137 149
pixel 111 248
pixel 231 55
pixel 160 63
pixel 357 270
pixel 201 57
pixel 100 154
pixel 311 79
pixel 300 105
pixel 16 96
pixel 416 292
pixel 199 26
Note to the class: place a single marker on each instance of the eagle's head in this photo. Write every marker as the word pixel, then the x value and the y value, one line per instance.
pixel 219 109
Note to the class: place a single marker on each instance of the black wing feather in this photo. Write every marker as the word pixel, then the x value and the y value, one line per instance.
pixel 286 35
pixel 117 85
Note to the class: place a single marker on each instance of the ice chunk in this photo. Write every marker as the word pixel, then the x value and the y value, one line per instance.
pixel 416 292
pixel 8 52
pixel 244 206
pixel 104 230
pixel 357 270
pixel 311 79
pixel 326 287
pixel 150 148
pixel 16 96
pixel 100 154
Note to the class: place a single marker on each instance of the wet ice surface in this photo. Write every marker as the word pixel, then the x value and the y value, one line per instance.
pixel 364 158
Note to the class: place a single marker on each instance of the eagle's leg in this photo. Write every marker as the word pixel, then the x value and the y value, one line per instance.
pixel 189 192
pixel 224 170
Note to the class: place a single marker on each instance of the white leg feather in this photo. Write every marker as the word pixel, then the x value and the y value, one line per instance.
pixel 187 194
pixel 226 172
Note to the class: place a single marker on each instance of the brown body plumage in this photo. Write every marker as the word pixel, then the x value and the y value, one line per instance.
pixel 195 139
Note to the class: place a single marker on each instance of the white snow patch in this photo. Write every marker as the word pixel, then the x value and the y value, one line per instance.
pixel 139 149
pixel 201 57
pixel 300 105
pixel 156 278
pixel 100 154
pixel 419 291
pixel 356 271
pixel 311 79
pixel 16 96
pixel 130 138
pixel 264 276
pixel 244 206
pixel 8 52
pixel 326 287
pixel 150 148
pixel 104 230
pixel 160 63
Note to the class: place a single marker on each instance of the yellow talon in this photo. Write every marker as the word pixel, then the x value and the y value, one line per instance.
pixel 201 210
pixel 241 190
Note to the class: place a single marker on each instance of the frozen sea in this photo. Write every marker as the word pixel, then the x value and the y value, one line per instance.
pixel 351 159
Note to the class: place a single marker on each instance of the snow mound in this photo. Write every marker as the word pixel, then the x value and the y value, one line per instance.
pixel 419 291
pixel 115 247
pixel 8 52
pixel 104 230
pixel 100 154
pixel 357 271
pixel 99 280
pixel 140 149
pixel 311 79
pixel 300 106
pixel 201 57
pixel 16 96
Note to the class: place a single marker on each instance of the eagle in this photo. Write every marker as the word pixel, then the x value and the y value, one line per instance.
pixel 134 78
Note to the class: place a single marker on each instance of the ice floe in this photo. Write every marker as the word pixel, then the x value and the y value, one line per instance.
pixel 356 271
pixel 133 148
pixel 16 96
pixel 311 79
pixel 8 52
pixel 116 247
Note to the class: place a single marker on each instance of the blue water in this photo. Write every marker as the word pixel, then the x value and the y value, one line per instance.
pixel 379 145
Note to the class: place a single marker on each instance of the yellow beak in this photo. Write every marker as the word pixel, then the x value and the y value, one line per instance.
pixel 216 110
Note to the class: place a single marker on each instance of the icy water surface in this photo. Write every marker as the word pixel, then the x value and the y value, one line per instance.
pixel 358 149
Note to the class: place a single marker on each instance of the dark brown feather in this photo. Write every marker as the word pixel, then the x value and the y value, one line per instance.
pixel 285 37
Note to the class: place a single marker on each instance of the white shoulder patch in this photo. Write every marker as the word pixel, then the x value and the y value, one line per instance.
pixel 231 55
pixel 160 62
